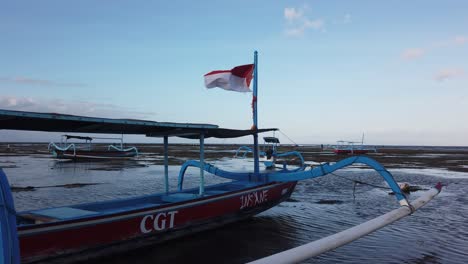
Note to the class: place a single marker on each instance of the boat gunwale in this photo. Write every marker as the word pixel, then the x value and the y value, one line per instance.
pixel 145 240
pixel 32 229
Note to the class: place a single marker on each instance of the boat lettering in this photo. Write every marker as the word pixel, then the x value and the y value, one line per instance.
pixel 157 222
pixel 253 199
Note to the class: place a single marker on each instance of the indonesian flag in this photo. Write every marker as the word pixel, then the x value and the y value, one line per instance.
pixel 237 79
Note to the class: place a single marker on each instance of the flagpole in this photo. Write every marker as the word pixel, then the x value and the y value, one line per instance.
pixel 255 121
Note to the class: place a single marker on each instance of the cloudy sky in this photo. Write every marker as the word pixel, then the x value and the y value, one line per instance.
pixel 328 70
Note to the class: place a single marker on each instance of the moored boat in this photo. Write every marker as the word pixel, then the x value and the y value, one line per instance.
pixel 270 154
pixel 144 219
pixel 89 230
pixel 355 151
pixel 73 151
pixel 353 148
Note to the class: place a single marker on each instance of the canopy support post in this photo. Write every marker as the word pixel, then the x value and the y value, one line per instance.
pixel 166 164
pixel 202 164
pixel 255 121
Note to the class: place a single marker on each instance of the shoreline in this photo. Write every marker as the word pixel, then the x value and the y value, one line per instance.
pixel 449 158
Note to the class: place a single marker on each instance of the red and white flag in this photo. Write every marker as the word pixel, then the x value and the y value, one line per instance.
pixel 237 79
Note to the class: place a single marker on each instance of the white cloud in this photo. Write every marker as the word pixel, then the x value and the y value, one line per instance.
pixel 315 24
pixel 413 53
pixel 14 102
pixel 299 30
pixel 291 14
pixel 448 73
pixel 71 107
pixel 40 82
pixel 460 40
pixel 298 23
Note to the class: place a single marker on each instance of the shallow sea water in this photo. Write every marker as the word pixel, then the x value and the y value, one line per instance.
pixel 437 233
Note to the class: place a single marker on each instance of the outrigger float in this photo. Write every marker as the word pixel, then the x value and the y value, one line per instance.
pixel 83 231
pixel 72 151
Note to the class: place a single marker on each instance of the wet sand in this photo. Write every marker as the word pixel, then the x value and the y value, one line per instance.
pixel 449 158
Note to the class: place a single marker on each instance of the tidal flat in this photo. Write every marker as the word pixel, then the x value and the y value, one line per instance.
pixel 437 233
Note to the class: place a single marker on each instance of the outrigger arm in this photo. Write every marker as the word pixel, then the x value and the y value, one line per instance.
pixel 326 168
pixel 287 176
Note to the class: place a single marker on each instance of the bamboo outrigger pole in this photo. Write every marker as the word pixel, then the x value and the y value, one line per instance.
pixel 312 249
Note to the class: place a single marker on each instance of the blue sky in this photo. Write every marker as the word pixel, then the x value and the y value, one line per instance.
pixel 328 70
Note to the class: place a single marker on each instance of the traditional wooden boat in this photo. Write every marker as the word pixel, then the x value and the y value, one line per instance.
pixel 270 154
pixel 352 148
pixel 73 151
pixel 82 231
pixel 144 219
pixel 346 148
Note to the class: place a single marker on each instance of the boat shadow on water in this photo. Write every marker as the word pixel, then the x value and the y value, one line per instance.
pixel 104 165
pixel 238 242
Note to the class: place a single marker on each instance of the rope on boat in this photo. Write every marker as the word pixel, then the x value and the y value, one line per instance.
pixel 361 182
pixel 287 137
pixel 358 181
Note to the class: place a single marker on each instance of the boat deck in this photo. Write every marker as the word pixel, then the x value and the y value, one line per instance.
pixel 134 204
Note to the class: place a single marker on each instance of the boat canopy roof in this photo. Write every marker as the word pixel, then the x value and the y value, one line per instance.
pixel 77 137
pixel 271 140
pixel 53 122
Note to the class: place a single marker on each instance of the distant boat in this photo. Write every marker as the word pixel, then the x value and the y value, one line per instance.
pixel 270 150
pixel 269 153
pixel 73 151
pixel 352 147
